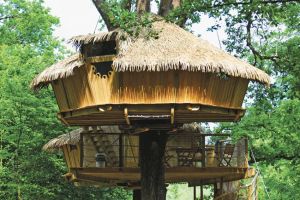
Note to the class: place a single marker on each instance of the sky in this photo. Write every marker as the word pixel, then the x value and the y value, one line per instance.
pixel 79 17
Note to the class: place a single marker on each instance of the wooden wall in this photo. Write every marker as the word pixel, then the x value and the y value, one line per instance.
pixel 72 155
pixel 85 88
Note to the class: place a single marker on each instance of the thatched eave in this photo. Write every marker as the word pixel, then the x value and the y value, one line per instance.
pixel 174 49
pixel 61 69
pixel 73 137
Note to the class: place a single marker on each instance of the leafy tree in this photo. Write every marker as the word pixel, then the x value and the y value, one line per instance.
pixel 27 119
pixel 266 32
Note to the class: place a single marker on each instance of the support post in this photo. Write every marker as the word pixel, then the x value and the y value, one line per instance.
pixel 121 151
pixel 246 152
pixel 203 150
pixel 152 150
pixel 201 192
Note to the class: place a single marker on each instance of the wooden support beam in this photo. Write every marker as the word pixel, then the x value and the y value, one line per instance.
pixel 172 115
pixel 62 119
pixel 201 192
pixel 98 59
pixel 126 116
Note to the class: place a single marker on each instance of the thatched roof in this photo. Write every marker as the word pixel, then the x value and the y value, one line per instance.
pixel 73 137
pixel 59 70
pixel 174 49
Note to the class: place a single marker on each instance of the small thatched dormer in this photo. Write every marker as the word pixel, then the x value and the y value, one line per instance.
pixel 117 79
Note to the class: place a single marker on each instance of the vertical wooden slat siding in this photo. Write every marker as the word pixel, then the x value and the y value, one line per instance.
pixel 87 93
pixel 78 152
pixel 74 154
pixel 60 95
pixel 74 89
pixel 85 88
pixel 60 99
pixel 67 157
pixel 71 158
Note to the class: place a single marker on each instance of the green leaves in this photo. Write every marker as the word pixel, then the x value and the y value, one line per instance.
pixel 27 119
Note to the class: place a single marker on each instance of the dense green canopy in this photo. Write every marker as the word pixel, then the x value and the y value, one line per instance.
pixel 265 32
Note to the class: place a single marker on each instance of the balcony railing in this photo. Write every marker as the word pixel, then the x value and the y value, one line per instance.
pixel 188 150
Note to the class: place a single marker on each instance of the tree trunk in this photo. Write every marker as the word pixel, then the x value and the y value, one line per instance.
pixel 166 6
pixel 152 150
pixel 136 194
pixel 142 6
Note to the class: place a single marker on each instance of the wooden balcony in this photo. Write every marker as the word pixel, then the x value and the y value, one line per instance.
pixel 189 157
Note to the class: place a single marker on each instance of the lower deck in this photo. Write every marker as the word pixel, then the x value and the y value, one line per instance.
pixel 130 177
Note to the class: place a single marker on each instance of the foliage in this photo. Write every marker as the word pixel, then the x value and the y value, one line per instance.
pixel 130 22
pixel 28 119
pixel 266 33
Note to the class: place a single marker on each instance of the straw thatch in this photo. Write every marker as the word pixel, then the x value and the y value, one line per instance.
pixel 62 69
pixel 174 49
pixel 73 137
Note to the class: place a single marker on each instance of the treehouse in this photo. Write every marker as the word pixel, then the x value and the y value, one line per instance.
pixel 171 78
pixel 135 95
pixel 106 156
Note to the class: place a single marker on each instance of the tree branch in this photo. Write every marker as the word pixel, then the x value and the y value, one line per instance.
pixel 6 17
pixel 250 2
pixel 99 5
pixel 184 16
pixel 255 52
pixel 272 158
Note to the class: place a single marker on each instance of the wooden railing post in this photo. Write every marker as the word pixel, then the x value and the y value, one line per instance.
pixel 246 152
pixel 203 150
pixel 121 151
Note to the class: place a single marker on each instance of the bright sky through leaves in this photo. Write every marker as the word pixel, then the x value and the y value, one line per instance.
pixel 80 17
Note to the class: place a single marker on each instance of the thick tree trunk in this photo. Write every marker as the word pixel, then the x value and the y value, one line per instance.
pixel 142 6
pixel 166 6
pixel 137 195
pixel 152 150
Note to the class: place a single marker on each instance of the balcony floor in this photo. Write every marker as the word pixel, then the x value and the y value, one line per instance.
pixel 131 176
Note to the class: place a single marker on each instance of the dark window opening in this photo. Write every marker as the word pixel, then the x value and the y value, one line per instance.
pixel 102 48
pixel 103 69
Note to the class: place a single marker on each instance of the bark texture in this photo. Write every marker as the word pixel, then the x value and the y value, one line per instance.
pixel 152 150
pixel 166 6
pixel 137 195
pixel 143 6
